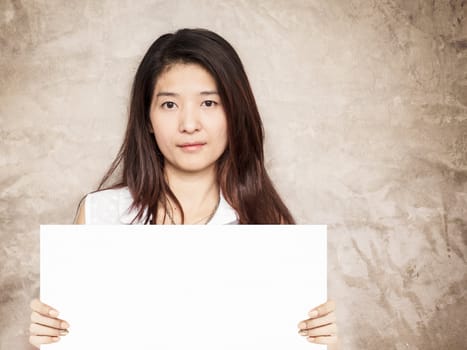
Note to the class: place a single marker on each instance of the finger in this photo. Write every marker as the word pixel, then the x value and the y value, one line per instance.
pixel 318 322
pixel 323 309
pixel 38 329
pixel 327 330
pixel 48 321
pixel 40 307
pixel 323 340
pixel 37 340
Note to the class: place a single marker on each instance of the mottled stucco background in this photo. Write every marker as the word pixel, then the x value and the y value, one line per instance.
pixel 365 110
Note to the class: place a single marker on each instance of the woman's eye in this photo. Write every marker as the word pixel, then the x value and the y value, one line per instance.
pixel 210 103
pixel 169 105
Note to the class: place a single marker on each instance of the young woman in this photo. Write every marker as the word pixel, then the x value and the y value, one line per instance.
pixel 192 154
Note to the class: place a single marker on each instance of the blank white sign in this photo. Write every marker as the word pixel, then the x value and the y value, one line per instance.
pixel 183 287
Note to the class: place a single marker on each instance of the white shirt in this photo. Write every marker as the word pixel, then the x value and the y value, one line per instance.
pixel 111 207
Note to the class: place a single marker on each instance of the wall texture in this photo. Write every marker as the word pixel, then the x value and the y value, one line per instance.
pixel 365 108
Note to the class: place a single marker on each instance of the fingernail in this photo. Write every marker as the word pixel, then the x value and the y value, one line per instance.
pixel 55 339
pixel 53 313
pixel 64 325
pixel 64 332
pixel 313 313
pixel 302 325
pixel 303 332
pixel 312 340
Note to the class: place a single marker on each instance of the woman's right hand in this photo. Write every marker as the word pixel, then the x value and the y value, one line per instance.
pixel 45 327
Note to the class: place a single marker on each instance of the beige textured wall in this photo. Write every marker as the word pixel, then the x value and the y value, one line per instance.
pixel 365 108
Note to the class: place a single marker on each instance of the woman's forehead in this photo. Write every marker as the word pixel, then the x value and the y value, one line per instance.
pixel 185 76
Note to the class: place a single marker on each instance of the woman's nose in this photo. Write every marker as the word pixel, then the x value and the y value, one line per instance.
pixel 189 120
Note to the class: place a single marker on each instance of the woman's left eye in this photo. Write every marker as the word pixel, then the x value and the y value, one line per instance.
pixel 209 103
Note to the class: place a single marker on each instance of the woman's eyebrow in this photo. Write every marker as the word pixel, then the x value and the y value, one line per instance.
pixel 209 93
pixel 167 93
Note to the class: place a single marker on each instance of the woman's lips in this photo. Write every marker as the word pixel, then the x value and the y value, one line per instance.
pixel 191 146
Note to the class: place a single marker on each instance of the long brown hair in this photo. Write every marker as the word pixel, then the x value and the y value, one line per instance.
pixel 241 174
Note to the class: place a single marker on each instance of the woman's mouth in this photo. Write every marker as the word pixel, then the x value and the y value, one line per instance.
pixel 191 146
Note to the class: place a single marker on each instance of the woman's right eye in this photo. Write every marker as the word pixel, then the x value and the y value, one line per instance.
pixel 169 104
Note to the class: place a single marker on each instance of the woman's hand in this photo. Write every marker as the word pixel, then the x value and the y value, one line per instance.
pixel 45 327
pixel 321 327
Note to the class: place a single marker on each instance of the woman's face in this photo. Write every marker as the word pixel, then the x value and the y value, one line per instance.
pixel 188 118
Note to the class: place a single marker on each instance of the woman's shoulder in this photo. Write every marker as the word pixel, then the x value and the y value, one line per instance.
pixel 113 207
pixel 109 207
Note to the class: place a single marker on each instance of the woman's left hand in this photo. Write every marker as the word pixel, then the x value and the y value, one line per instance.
pixel 321 327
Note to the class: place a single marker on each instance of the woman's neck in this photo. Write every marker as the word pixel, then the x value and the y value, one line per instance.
pixel 198 194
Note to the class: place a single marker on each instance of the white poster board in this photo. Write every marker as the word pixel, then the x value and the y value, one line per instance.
pixel 183 287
